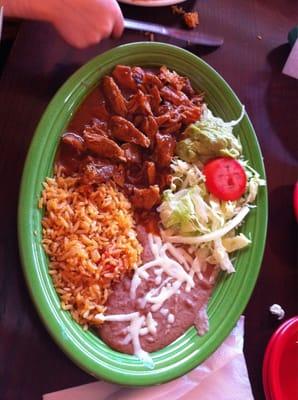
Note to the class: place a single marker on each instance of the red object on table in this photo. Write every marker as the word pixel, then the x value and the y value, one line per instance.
pixel 295 200
pixel 280 367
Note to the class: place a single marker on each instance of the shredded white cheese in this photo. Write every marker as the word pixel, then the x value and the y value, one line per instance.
pixel 170 274
pixel 168 265
pixel 151 323
pixel 171 318
pixel 164 311
pixel 117 317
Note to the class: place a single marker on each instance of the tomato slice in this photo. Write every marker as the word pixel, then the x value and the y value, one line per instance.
pixel 225 178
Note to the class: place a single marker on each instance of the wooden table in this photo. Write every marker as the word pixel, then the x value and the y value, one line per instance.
pixel 251 60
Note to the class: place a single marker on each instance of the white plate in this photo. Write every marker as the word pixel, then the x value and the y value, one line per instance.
pixel 151 3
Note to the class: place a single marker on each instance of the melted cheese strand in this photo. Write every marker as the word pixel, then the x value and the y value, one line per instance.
pixel 164 295
pixel 169 266
pixel 127 339
pixel 178 254
pixel 135 328
pixel 136 280
pixel 171 318
pixel 117 317
pixel 151 323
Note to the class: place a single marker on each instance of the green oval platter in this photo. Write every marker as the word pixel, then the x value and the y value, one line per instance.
pixel 231 293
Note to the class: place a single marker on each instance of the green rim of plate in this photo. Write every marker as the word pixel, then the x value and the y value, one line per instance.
pixel 231 293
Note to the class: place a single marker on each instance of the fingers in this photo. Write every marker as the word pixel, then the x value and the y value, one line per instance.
pixel 118 24
pixel 83 23
pixel 118 28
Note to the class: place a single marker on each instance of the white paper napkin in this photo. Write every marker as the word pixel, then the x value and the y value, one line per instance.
pixel 291 65
pixel 223 376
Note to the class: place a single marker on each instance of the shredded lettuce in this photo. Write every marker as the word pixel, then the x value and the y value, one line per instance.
pixel 213 235
pixel 184 211
pixel 254 181
pixel 221 256
pixel 190 214
pixel 236 242
pixel 185 174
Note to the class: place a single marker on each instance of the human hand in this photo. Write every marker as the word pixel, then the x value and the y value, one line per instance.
pixel 85 22
pixel 80 22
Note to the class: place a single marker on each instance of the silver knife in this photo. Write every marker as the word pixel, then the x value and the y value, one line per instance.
pixel 189 36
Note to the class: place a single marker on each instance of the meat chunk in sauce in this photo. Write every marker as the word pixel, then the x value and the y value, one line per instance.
pixel 139 116
pixel 164 180
pixel 124 77
pixel 102 172
pixel 155 98
pixel 103 146
pixel 168 118
pixel 187 88
pixel 140 104
pixel 114 96
pixel 151 80
pixel 178 82
pixel 173 96
pixel 73 140
pixel 97 127
pixel 171 129
pixel 125 131
pixel 101 111
pixel 150 128
pixel 146 198
pixel 132 153
pixel 190 114
pixel 164 149
pixel 150 172
pixel 138 74
pixel 97 173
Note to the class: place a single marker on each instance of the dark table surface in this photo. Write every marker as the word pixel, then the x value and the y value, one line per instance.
pixel 251 61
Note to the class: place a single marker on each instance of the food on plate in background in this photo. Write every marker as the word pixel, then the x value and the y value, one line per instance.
pixel 190 19
pixel 143 210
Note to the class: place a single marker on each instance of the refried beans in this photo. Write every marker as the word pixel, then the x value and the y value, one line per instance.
pixel 181 311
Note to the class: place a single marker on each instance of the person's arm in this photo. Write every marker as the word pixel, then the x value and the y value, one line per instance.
pixel 80 22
